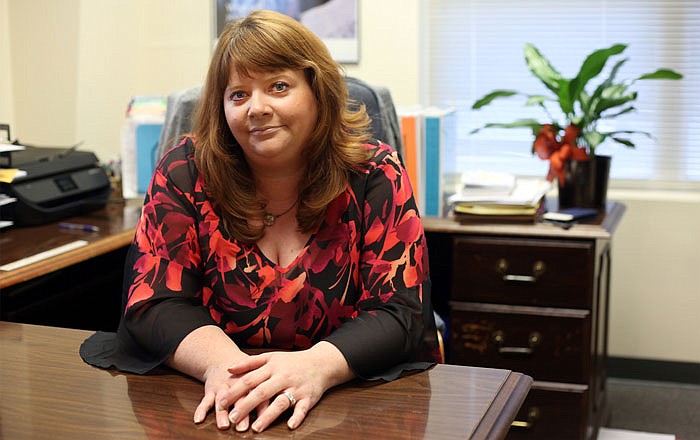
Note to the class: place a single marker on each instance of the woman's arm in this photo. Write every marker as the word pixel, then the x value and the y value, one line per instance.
pixel 163 277
pixel 394 329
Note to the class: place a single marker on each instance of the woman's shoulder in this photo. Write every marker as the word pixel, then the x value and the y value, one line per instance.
pixel 178 163
pixel 383 163
pixel 382 155
pixel 183 150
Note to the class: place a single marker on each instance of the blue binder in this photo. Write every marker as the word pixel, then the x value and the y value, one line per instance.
pixel 147 136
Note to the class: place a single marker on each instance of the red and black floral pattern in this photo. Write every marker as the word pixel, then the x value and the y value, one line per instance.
pixel 364 268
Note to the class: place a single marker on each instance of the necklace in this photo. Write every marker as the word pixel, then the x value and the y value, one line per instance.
pixel 270 218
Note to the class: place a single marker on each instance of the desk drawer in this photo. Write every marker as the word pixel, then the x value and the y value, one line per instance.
pixel 552 413
pixel 526 271
pixel 545 343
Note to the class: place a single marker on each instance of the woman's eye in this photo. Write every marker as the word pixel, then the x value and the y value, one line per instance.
pixel 236 96
pixel 280 86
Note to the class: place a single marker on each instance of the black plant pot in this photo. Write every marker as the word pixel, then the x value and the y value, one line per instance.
pixel 585 183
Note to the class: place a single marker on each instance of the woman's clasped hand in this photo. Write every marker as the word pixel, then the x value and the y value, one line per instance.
pixel 268 385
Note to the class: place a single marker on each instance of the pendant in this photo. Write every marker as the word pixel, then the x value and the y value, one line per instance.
pixel 269 219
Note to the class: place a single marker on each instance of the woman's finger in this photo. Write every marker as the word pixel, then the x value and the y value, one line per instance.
pixel 200 413
pixel 243 424
pixel 239 391
pixel 300 411
pixel 278 405
pixel 248 364
pixel 221 410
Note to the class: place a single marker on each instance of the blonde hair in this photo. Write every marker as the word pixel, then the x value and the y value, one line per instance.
pixel 269 41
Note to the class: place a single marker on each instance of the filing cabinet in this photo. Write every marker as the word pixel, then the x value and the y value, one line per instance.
pixel 531 298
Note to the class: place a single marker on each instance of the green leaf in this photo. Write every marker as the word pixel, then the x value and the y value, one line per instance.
pixel 566 100
pixel 593 139
pixel 621 112
pixel 606 104
pixel 542 69
pixel 491 96
pixel 614 91
pixel 577 120
pixel 590 109
pixel 662 74
pixel 537 99
pixel 647 134
pixel 532 124
pixel 625 142
pixel 591 67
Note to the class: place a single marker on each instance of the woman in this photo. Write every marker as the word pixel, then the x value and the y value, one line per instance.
pixel 277 225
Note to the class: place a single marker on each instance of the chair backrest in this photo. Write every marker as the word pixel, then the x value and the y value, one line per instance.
pixel 182 104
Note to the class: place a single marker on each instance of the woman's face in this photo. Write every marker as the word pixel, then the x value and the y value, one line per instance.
pixel 271 115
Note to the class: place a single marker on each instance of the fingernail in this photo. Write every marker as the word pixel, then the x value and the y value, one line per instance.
pixel 257 427
pixel 243 426
pixel 233 416
pixel 198 418
pixel 292 424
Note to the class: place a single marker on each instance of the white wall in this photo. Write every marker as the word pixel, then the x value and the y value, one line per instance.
pixel 43 43
pixel 132 47
pixel 655 291
pixel 6 95
pixel 74 64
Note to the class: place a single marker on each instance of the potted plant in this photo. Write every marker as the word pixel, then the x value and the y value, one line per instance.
pixel 570 144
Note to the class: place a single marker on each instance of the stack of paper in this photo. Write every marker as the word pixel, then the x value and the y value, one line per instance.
pixel 5 200
pixel 487 184
pixel 7 175
pixel 524 202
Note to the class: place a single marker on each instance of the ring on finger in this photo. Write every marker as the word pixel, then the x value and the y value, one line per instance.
pixel 290 396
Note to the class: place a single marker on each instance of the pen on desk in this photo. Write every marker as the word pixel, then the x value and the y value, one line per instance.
pixel 79 227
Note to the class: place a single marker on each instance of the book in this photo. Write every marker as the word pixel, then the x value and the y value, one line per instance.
pixel 498 213
pixel 412 138
pixel 147 136
pixel 140 134
pixel 496 209
pixel 440 139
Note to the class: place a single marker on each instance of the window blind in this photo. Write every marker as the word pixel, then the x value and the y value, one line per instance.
pixel 476 46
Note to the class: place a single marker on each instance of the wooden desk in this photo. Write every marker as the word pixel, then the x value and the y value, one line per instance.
pixel 49 392
pixel 77 289
pixel 116 222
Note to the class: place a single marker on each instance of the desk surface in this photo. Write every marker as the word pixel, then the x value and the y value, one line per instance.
pixel 116 222
pixel 49 392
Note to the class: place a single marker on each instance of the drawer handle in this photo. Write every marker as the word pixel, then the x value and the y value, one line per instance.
pixel 538 268
pixel 499 338
pixel 533 414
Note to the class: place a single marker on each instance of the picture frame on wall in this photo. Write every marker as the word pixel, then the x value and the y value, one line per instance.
pixel 334 21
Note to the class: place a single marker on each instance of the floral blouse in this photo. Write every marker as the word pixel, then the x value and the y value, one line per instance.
pixel 361 281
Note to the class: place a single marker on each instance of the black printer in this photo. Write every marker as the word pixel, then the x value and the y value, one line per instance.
pixel 59 182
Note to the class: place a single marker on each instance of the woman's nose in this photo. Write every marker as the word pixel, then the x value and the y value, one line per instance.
pixel 258 105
